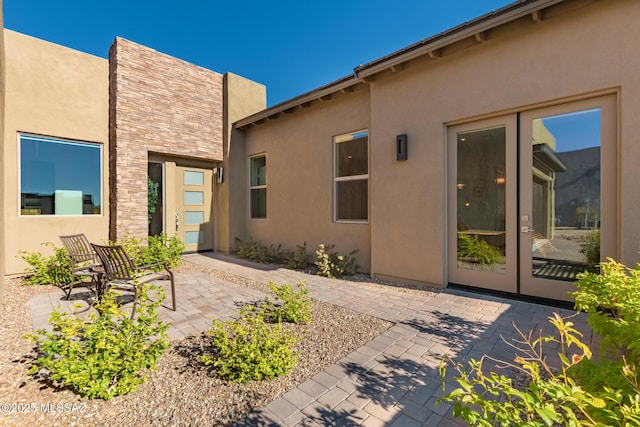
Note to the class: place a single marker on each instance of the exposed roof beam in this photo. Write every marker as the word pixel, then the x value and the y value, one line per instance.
pixel 369 79
pixel 481 37
pixel 468 29
pixel 397 68
pixel 347 89
pixel 435 54
pixel 537 16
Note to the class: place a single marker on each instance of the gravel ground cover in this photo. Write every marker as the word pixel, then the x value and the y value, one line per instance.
pixel 182 391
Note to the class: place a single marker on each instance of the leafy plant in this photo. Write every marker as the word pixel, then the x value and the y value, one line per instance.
pixel 477 250
pixel 294 305
pixel 298 259
pixel 162 248
pixel 259 252
pixel 611 300
pixel 552 397
pixel 332 264
pixel 152 197
pixel 154 249
pixel 249 348
pixel 591 249
pixel 43 270
pixel 109 354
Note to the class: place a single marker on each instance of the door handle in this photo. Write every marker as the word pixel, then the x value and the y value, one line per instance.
pixel 177 221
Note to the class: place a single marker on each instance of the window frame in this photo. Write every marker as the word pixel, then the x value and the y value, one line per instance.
pixel 337 139
pixel 59 140
pixel 257 187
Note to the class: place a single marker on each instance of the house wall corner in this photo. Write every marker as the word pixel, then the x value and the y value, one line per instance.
pixel 242 97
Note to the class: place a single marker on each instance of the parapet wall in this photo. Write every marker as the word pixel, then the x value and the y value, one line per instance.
pixel 158 104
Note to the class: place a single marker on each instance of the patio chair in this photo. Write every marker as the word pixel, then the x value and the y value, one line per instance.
pixel 121 273
pixel 84 263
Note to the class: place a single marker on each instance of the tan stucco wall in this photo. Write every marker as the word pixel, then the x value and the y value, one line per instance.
pixel 2 86
pixel 242 97
pixel 521 65
pixel 560 57
pixel 299 152
pixel 54 91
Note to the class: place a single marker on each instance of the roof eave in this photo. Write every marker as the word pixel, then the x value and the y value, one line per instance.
pixel 365 73
pixel 479 25
pixel 300 101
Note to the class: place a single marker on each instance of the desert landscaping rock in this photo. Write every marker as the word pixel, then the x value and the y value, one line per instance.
pixel 182 391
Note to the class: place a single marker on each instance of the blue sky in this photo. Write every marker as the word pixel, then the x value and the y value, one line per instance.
pixel 289 46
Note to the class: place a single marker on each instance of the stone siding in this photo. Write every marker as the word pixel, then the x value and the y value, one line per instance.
pixel 158 104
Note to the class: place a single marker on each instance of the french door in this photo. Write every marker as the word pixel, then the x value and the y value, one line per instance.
pixel 532 198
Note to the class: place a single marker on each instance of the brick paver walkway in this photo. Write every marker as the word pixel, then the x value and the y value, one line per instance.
pixel 392 380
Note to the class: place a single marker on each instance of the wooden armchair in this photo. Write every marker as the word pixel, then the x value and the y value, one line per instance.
pixel 121 273
pixel 84 263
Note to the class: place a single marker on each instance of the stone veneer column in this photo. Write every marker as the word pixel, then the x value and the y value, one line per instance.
pixel 157 104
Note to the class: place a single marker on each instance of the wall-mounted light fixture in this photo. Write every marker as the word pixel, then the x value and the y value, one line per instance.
pixel 219 172
pixel 401 147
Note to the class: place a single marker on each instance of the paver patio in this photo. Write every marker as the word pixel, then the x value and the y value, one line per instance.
pixel 392 380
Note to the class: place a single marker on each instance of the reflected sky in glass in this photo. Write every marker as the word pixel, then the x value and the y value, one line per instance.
pixel 575 131
pixel 48 165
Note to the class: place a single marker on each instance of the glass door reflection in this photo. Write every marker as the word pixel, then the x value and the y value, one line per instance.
pixel 481 202
pixel 566 214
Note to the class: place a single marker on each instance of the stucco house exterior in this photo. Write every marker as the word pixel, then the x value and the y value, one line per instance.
pixel 512 133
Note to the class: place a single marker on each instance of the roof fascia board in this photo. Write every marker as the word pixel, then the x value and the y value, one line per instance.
pixel 343 84
pixel 430 46
pixel 461 32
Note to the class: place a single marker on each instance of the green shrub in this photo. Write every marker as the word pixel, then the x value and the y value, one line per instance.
pixel 298 259
pixel 332 264
pixel 258 252
pixel 109 354
pixel 132 245
pixel 154 249
pixel 52 270
pixel 162 248
pixel 591 249
pixel 552 397
pixel 294 305
pixel 612 300
pixel 474 249
pixel 250 349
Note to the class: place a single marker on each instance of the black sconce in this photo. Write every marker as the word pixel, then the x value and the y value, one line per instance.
pixel 219 172
pixel 401 147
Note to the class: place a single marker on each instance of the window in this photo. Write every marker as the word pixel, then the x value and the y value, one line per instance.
pixel 258 186
pixel 59 177
pixel 351 176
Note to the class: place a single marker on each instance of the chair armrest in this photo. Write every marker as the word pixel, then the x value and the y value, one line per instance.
pixel 151 266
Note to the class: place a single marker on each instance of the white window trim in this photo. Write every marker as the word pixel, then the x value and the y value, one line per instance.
pixel 255 187
pixel 337 139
